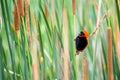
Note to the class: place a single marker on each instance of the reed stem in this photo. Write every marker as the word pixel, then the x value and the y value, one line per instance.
pixel 74 6
pixel 66 52
pixel 109 51
pixel 84 69
pixel 16 17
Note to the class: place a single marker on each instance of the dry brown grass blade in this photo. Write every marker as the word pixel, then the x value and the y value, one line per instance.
pixel 84 69
pixel 98 18
pixel 119 4
pixel 100 22
pixel 46 12
pixel 109 51
pixel 27 12
pixel 74 6
pixel 18 10
pixel 20 7
pixel 32 46
pixel 66 52
pixel 116 36
pixel 36 58
pixel 16 18
pixel 35 71
pixel 26 2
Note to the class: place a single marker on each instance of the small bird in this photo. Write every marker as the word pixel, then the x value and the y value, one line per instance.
pixel 81 41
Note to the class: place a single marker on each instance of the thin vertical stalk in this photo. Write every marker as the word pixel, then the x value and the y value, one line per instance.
pixel 84 69
pixel 46 12
pixel 98 18
pixel 74 6
pixel 20 7
pixel 16 18
pixel 116 37
pixel 35 71
pixel 66 52
pixel 109 51
pixel 26 2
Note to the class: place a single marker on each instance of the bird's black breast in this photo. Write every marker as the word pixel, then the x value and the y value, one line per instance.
pixel 81 43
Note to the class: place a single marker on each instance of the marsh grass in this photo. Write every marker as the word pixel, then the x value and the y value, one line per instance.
pixel 44 48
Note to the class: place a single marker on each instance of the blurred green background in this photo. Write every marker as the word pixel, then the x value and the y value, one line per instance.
pixel 43 46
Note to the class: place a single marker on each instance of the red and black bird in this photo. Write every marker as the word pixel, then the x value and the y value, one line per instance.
pixel 81 41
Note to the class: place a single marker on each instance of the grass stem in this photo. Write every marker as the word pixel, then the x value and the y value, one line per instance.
pixel 109 51
pixel 84 69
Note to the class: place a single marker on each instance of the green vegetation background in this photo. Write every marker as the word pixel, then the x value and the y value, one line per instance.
pixel 47 35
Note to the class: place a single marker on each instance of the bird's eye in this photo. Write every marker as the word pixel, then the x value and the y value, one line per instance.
pixel 81 33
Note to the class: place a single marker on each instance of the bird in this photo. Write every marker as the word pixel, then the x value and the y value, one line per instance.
pixel 81 41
